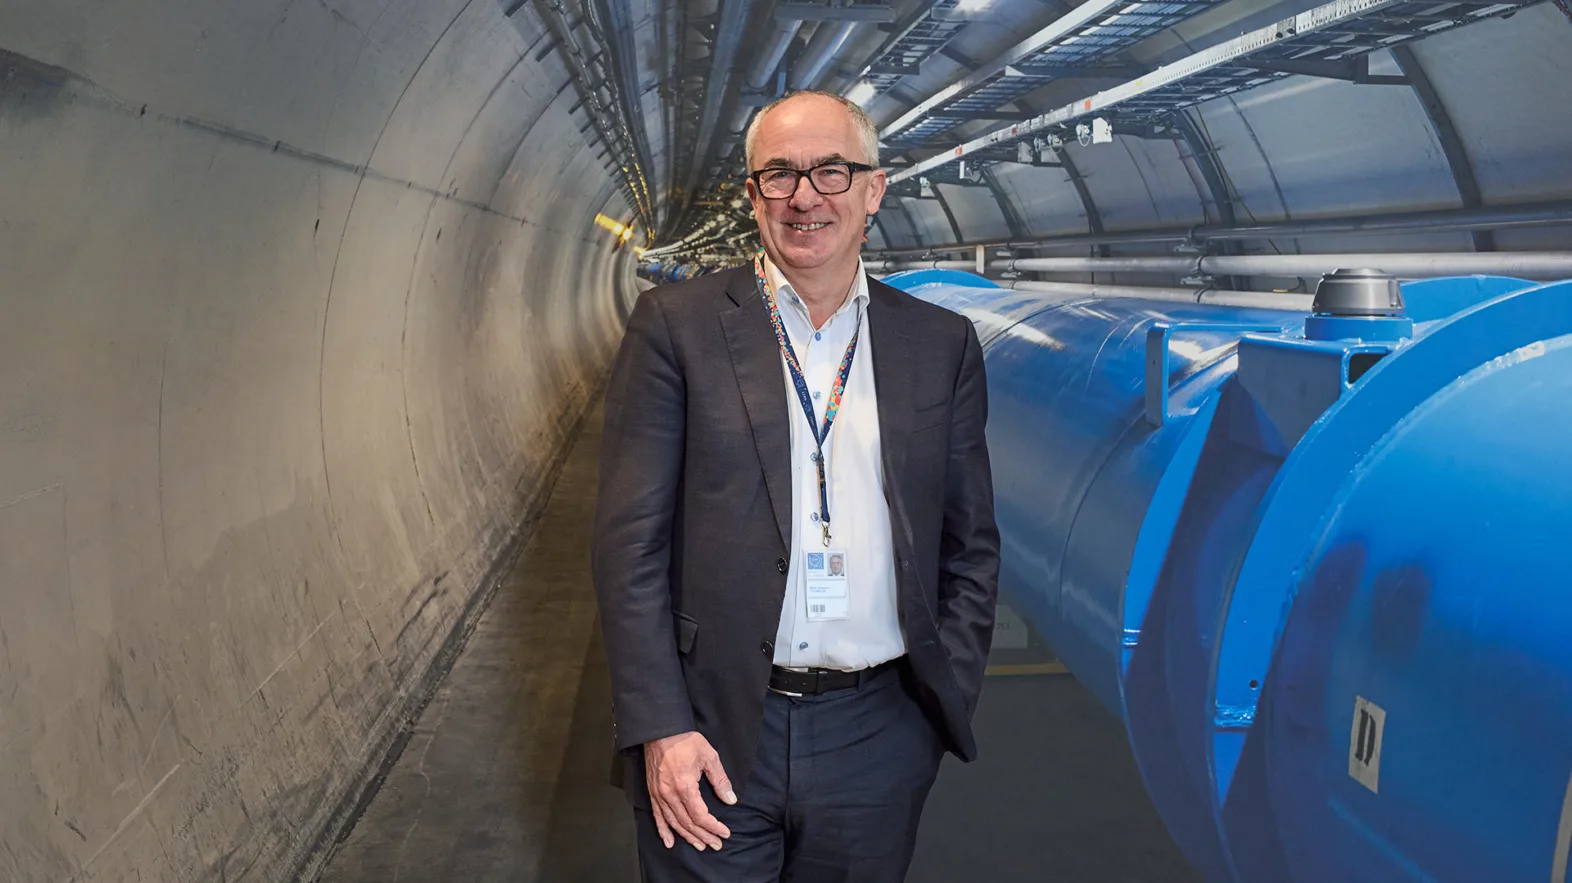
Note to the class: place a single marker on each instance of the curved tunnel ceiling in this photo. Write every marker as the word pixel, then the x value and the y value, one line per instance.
pixel 304 297
pixel 1304 147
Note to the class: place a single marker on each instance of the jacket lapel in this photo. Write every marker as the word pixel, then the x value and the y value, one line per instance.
pixel 893 373
pixel 755 357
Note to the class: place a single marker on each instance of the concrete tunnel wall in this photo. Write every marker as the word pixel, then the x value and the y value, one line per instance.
pixel 302 299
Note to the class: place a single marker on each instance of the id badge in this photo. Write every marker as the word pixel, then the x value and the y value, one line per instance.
pixel 828 597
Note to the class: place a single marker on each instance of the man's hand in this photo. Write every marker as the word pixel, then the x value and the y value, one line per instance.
pixel 672 766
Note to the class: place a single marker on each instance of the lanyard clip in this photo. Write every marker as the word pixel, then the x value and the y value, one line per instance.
pixel 826 525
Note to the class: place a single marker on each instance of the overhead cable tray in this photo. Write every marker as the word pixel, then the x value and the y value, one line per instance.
pixel 930 31
pixel 1330 40
pixel 1079 44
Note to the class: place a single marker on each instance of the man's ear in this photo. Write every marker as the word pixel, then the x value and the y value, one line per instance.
pixel 876 189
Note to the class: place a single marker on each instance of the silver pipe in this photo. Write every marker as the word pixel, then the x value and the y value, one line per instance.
pixel 1174 265
pixel 1261 300
pixel 892 266
pixel 736 130
pixel 1264 300
pixel 769 60
pixel 1541 265
pixel 826 41
pixel 1502 217
pixel 1540 214
pixel 739 120
pixel 758 76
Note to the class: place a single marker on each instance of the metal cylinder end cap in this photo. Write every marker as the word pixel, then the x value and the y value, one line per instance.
pixel 1362 292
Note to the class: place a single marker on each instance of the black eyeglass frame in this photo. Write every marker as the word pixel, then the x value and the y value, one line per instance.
pixel 852 167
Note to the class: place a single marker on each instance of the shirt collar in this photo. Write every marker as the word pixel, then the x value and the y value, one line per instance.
pixel 785 293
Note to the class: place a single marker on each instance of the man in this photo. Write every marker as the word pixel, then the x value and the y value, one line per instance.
pixel 777 721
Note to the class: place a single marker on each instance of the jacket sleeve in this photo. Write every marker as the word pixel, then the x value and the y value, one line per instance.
pixel 640 470
pixel 969 542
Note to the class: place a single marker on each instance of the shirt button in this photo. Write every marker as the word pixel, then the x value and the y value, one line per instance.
pixel 814 457
pixel 767 648
pixel 814 517
pixel 816 395
pixel 780 564
pixel 818 335
pixel 803 646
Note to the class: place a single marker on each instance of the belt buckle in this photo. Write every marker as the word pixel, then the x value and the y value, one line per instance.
pixel 780 692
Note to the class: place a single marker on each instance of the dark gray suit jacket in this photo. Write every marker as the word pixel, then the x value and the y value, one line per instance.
pixel 694 513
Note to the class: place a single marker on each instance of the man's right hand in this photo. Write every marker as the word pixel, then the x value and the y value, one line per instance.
pixel 672 767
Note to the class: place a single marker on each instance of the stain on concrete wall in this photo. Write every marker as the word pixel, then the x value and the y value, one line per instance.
pixel 302 301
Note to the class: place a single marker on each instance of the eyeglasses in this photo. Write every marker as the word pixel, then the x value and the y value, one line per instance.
pixel 828 178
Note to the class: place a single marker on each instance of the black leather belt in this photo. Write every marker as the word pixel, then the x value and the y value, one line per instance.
pixel 822 680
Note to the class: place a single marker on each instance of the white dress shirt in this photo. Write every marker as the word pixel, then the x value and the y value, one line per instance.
pixel 854 473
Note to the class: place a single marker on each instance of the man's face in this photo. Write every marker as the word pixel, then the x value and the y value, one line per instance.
pixel 801 134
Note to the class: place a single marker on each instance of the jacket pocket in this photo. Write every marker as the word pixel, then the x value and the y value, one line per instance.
pixel 687 630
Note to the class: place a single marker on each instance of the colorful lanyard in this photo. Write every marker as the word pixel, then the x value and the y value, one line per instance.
pixel 834 406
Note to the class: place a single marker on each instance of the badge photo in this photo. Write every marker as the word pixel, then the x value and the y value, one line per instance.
pixel 828 564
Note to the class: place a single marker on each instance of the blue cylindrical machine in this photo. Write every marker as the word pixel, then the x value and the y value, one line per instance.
pixel 1312 561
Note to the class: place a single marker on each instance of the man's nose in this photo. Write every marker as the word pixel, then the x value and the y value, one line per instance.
pixel 805 194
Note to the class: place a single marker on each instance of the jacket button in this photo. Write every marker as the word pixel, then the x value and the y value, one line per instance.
pixel 767 648
pixel 780 564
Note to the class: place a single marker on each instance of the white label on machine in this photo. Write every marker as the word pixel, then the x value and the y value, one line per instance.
pixel 1009 630
pixel 1364 743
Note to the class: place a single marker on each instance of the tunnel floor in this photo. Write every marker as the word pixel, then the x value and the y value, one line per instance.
pixel 505 775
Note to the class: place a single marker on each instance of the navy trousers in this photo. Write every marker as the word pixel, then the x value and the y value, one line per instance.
pixel 835 794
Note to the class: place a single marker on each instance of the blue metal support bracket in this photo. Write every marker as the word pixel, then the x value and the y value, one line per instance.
pixel 1157 364
pixel 1291 382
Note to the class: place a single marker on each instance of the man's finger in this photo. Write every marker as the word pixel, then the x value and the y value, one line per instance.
pixel 719 781
pixel 677 817
pixel 660 823
pixel 707 825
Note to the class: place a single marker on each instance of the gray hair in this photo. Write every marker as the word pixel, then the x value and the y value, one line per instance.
pixel 867 132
